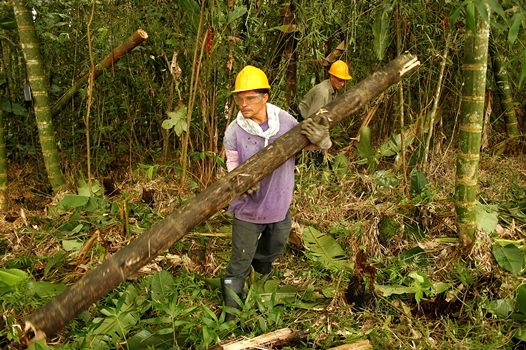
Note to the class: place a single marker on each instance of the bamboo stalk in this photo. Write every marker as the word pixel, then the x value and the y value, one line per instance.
pixel 135 40
pixel 96 283
pixel 431 120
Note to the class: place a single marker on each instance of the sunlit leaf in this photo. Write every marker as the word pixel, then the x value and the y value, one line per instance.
pixel 487 217
pixel 236 13
pixel 72 245
pixel 12 276
pixel 387 290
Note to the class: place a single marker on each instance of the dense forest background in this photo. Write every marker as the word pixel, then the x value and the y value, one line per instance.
pixel 374 253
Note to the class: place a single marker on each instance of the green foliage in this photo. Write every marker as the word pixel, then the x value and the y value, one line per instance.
pixel 486 217
pixel 324 250
pixel 177 120
pixel 509 258
pixel 381 30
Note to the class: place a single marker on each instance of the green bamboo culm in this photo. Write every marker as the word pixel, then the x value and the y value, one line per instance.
pixel 472 118
pixel 37 81
pixel 3 164
pixel 501 77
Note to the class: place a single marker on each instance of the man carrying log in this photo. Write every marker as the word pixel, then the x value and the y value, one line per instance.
pixel 262 221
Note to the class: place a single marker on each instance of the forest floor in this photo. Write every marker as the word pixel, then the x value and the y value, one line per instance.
pixel 364 211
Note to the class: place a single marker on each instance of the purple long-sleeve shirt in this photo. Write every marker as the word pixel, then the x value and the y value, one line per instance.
pixel 271 202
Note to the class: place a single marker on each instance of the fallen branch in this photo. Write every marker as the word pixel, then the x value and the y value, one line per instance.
pixel 135 40
pixel 281 337
pixel 359 345
pixel 63 308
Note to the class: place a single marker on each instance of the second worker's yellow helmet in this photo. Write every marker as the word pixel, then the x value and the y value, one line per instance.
pixel 251 78
pixel 340 70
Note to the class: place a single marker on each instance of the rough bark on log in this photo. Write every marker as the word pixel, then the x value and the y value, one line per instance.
pixel 135 40
pixel 63 308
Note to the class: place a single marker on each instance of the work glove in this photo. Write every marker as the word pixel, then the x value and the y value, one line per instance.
pixel 317 133
pixel 251 190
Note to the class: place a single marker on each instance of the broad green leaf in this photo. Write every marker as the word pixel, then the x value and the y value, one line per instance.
pixel 520 332
pixel 324 249
pixel 72 245
pixel 14 108
pixel 45 289
pixel 392 146
pixel 418 182
pixel 163 287
pixel 520 303
pixel 515 27
pixel 364 147
pixel 177 120
pixel 500 307
pixel 387 290
pixel 510 258
pixel 416 256
pixel 340 165
pixel 192 10
pixel 385 179
pixel 487 217
pixel 236 13
pixel 12 277
pixel 71 201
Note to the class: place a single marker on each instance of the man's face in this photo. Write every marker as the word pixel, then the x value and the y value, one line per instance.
pixel 251 103
pixel 336 82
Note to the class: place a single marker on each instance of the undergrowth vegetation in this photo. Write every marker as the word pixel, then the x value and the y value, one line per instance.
pixel 370 256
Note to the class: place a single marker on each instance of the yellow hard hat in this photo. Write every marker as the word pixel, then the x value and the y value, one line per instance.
pixel 251 78
pixel 340 70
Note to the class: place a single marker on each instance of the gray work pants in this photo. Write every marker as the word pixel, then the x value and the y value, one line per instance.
pixel 248 248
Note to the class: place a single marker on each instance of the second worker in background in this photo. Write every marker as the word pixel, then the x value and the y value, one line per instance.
pixel 323 93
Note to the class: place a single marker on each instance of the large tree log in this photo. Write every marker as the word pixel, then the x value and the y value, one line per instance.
pixel 135 40
pixel 96 283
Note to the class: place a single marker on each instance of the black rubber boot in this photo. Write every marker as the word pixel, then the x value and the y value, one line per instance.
pixel 229 285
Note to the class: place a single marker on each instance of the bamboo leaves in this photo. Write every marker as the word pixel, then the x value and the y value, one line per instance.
pixel 381 31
